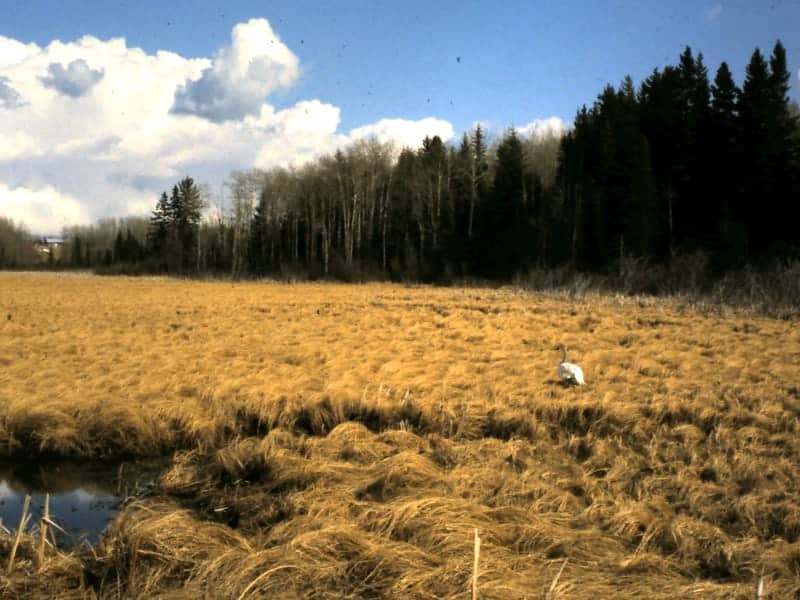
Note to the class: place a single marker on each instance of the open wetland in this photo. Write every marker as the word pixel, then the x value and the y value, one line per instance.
pixel 348 441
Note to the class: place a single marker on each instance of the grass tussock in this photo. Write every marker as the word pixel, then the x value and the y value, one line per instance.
pixel 333 441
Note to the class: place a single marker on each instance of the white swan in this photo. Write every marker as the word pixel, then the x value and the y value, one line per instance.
pixel 569 373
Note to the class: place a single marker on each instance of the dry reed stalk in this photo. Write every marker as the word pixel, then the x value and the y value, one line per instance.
pixel 760 588
pixel 43 529
pixel 51 532
pixel 555 580
pixel 475 565
pixel 264 575
pixel 22 520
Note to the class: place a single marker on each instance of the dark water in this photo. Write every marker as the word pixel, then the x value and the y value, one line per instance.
pixel 82 500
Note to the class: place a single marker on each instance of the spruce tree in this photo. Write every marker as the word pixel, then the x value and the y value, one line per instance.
pixel 77 251
pixel 462 162
pixel 783 163
pixel 159 230
pixel 120 253
pixel 174 251
pixel 132 247
pixel 725 168
pixel 187 209
pixel 756 103
pixel 258 257
pixel 480 169
pixel 662 120
pixel 505 239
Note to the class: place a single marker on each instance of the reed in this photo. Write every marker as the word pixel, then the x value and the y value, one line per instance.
pixel 23 521
pixel 549 594
pixel 475 564
pixel 43 530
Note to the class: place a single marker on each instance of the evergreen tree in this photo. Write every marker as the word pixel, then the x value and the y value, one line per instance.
pixel 257 254
pixel 158 232
pixel 462 161
pixel 725 166
pixel 89 255
pixel 77 251
pixel 662 121
pixel 784 161
pixel 571 178
pixel 700 223
pixel 174 253
pixel 642 219
pixel 432 172
pixel 756 103
pixel 132 247
pixel 120 251
pixel 406 216
pixel 185 211
pixel 479 176
pixel 505 238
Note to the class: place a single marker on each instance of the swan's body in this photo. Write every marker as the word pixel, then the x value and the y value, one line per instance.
pixel 569 373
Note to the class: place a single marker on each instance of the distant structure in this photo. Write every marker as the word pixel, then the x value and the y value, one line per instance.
pixel 569 373
pixel 49 249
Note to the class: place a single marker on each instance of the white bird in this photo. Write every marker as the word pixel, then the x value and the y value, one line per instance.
pixel 569 373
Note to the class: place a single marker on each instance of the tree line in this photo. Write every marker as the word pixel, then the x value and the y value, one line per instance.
pixel 16 247
pixel 681 165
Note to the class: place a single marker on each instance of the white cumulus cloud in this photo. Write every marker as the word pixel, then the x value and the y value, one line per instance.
pixel 40 209
pixel 241 76
pixel 539 128
pixel 404 132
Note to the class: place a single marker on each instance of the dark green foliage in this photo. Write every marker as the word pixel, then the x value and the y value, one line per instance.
pixel 678 167
pixel 77 251
pixel 173 233
pixel 727 158
pixel 120 249
pixel 503 231
pixel 685 166
pixel 259 246
pixel 158 232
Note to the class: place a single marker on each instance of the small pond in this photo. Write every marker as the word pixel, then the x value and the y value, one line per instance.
pixel 82 500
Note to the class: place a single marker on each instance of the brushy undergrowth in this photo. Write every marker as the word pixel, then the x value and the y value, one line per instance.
pixel 337 441
pixel 772 290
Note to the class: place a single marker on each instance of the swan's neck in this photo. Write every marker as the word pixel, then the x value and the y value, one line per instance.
pixel 563 354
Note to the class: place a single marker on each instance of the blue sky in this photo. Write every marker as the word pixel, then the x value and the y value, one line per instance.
pixel 105 104
pixel 464 61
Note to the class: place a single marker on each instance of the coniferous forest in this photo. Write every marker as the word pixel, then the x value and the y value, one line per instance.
pixel 686 165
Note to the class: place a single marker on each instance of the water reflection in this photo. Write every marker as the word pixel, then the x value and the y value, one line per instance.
pixel 82 501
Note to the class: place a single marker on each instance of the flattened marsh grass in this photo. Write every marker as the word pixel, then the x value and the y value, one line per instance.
pixel 335 441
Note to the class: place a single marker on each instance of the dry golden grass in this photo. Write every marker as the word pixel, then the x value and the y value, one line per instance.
pixel 337 441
